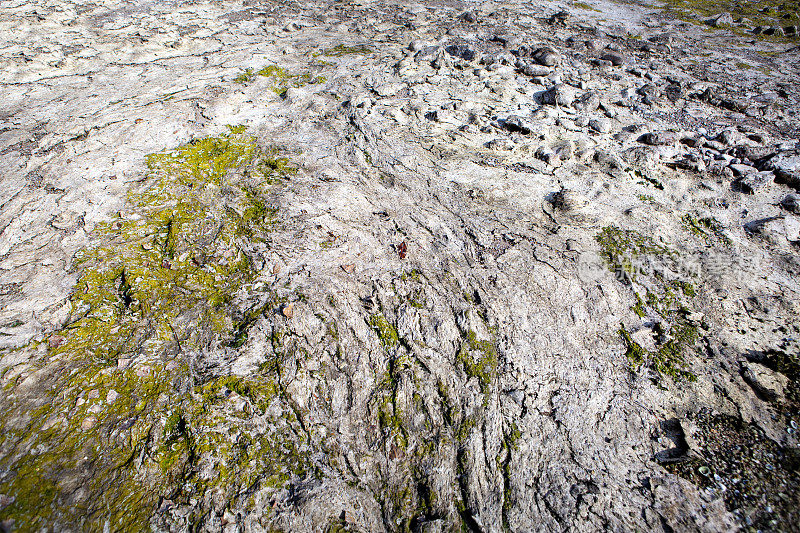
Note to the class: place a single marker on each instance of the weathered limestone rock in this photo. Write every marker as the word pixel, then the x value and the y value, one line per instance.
pixel 767 383
pixel 396 267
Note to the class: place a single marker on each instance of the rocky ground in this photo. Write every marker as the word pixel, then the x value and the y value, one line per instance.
pixel 371 265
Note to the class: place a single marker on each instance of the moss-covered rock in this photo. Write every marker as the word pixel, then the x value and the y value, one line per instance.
pixel 387 333
pixel 666 300
pixel 479 358
pixel 120 418
pixel 342 50
pixel 283 79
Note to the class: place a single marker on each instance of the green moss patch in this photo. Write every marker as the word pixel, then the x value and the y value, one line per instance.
pixel 386 331
pixel 584 5
pixel 676 334
pixel 633 257
pixel 410 287
pixel 120 417
pixel 342 50
pixel 245 76
pixel 283 78
pixel 668 360
pixel 624 249
pixel 479 359
pixel 707 228
pixel 177 256
pixel 390 415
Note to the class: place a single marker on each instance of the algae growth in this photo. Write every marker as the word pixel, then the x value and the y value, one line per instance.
pixel 128 418
pixel 177 251
pixel 479 359
pixel 282 78
pixel 342 50
pixel 650 268
pixel 386 332
pixel 626 251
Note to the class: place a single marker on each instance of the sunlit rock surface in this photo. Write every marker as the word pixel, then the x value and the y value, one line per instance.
pixel 365 266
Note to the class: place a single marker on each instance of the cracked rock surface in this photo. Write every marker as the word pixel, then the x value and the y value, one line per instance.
pixel 371 265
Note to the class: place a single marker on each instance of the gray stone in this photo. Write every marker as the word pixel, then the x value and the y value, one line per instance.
pixel 469 16
pixel 560 17
pixel 588 102
pixel 691 162
pixel 461 51
pixel 791 202
pixel 560 94
pixel 648 90
pixel 515 123
pixel 753 182
pixel 546 56
pixel 614 58
pixel 532 69
pixel 546 154
pixel 742 170
pixel 563 150
pixel 658 138
pixel 786 166
pixel 600 125
pixel 569 200
pixel 723 19
pixel 773 30
pixel 791 225
pixel 730 137
pixel 502 144
pixel 417 46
